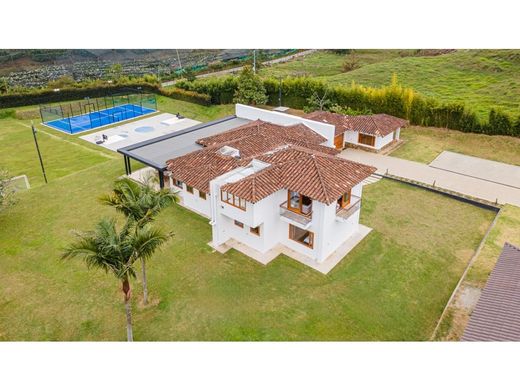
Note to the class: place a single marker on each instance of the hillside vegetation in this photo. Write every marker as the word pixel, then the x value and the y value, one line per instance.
pixel 481 79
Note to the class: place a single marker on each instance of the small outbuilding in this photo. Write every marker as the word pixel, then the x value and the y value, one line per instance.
pixel 497 314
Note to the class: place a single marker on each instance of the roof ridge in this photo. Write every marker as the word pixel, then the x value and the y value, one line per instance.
pixel 320 178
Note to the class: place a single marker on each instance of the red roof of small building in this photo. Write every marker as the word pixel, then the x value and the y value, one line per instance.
pixel 377 124
pixel 497 314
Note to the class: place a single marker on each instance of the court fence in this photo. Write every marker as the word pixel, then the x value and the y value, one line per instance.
pixel 94 112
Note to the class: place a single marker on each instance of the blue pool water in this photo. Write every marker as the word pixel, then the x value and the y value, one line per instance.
pixel 92 120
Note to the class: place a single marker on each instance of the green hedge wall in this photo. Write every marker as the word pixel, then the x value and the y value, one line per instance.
pixel 43 96
pixel 393 99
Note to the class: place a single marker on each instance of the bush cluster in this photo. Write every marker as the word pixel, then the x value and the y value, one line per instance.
pixel 392 99
pixel 96 89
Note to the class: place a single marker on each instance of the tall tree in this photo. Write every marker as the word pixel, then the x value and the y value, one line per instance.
pixel 140 204
pixel 116 252
pixel 250 89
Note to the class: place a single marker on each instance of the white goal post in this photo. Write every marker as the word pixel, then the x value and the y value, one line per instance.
pixel 20 183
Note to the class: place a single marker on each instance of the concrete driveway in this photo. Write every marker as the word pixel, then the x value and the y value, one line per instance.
pixel 486 188
pixel 480 168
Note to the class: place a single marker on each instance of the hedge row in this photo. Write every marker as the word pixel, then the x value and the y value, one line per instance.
pixel 44 96
pixel 393 99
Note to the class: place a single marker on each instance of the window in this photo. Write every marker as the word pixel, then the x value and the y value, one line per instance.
pixel 302 236
pixel 366 139
pixel 189 189
pixel 255 230
pixel 299 203
pixel 177 183
pixel 202 194
pixel 344 200
pixel 239 224
pixel 232 200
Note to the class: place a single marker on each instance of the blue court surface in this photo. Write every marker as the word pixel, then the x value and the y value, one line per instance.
pixel 95 119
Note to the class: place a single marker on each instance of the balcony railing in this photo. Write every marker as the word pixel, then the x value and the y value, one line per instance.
pixel 344 213
pixel 303 220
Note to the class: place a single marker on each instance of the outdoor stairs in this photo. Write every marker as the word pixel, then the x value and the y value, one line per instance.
pixel 371 179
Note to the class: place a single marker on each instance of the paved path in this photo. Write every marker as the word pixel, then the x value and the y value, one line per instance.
pixel 239 68
pixel 480 168
pixel 472 186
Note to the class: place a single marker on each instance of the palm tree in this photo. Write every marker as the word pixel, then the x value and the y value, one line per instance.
pixel 116 252
pixel 140 204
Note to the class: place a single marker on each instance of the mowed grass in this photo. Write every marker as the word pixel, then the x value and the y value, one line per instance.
pixel 64 154
pixel 61 157
pixel 392 286
pixel 506 229
pixel 481 79
pixel 424 144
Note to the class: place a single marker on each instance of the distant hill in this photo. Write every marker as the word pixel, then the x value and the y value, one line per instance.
pixel 481 79
pixel 35 67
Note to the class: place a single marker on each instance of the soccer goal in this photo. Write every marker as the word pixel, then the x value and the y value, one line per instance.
pixel 19 183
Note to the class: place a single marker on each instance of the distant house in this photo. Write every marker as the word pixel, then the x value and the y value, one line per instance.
pixel 372 132
pixel 496 316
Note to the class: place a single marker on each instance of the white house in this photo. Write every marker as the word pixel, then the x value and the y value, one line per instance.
pixel 274 185
pixel 371 132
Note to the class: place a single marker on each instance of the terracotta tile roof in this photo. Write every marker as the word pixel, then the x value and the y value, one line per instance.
pixel 198 168
pixel 378 124
pixel 259 128
pixel 338 120
pixel 314 174
pixel 497 314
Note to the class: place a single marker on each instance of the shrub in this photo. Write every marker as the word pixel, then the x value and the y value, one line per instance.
pixel 96 89
pixel 7 114
pixel 250 88
pixel 392 99
pixel 351 62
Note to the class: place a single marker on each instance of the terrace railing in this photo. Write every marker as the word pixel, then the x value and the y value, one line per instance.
pixel 302 220
pixel 342 214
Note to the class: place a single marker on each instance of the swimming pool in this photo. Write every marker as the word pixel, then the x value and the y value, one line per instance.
pixel 95 119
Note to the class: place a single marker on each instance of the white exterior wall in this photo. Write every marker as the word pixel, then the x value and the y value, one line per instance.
pixel 351 137
pixel 335 232
pixel 383 141
pixel 194 201
pixel 329 233
pixel 280 118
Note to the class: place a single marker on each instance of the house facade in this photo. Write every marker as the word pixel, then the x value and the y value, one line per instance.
pixel 274 182
pixel 370 132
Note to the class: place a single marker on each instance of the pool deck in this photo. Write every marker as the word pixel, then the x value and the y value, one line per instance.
pixel 125 134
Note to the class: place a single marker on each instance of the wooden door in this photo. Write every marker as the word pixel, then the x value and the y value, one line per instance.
pixel 338 141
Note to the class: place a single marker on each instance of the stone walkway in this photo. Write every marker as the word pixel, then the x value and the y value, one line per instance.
pixel 452 181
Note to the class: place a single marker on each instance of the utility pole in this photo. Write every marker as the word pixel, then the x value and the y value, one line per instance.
pixel 280 93
pixel 254 61
pixel 38 150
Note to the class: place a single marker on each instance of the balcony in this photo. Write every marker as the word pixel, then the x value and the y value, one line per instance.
pixel 343 214
pixel 301 220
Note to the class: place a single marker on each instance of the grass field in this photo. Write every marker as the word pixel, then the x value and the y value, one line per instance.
pixel 506 229
pixel 392 286
pixel 481 79
pixel 424 144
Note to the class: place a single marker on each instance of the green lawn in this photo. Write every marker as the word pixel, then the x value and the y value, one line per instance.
pixel 506 229
pixel 479 78
pixel 393 286
pixel 424 144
